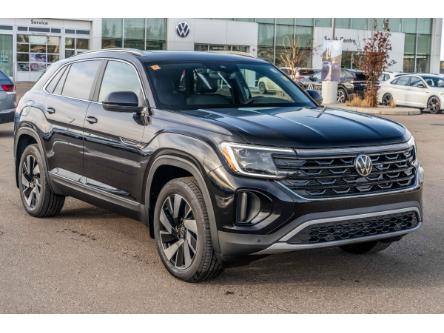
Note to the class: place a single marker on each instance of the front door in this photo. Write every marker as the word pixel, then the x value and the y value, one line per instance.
pixel 113 140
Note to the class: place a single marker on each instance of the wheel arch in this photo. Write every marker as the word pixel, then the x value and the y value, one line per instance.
pixel 184 165
pixel 24 137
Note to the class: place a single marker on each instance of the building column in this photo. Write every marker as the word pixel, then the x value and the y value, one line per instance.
pixel 435 53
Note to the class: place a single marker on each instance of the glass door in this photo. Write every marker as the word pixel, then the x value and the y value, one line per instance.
pixel 6 54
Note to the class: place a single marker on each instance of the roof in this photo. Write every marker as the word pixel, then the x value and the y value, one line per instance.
pixel 159 56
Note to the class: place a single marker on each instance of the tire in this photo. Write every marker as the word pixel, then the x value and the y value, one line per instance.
pixel 342 96
pixel 37 196
pixel 182 232
pixel 262 88
pixel 387 99
pixel 434 105
pixel 366 247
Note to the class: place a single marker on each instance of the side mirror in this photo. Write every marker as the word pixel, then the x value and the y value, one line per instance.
pixel 314 94
pixel 122 101
pixel 420 85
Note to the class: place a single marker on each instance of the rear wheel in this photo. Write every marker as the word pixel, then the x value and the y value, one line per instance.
pixel 342 95
pixel 387 99
pixel 434 105
pixel 366 247
pixel 182 232
pixel 37 196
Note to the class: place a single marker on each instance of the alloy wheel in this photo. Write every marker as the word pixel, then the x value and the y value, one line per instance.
pixel 178 231
pixel 341 96
pixel 31 185
pixel 434 105
pixel 386 99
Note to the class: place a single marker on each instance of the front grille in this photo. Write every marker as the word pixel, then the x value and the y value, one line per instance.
pixel 336 176
pixel 357 228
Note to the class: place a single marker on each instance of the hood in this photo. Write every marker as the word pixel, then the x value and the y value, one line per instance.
pixel 305 127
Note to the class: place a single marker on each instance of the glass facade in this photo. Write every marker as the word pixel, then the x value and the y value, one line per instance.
pixel 138 33
pixel 6 55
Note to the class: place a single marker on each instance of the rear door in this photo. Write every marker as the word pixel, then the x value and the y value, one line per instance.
pixel 399 88
pixel 113 140
pixel 418 92
pixel 69 95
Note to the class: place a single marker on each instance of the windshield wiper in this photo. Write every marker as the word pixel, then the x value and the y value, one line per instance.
pixel 321 112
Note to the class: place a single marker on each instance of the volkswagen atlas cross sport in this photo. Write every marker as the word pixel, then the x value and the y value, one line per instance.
pixel 220 173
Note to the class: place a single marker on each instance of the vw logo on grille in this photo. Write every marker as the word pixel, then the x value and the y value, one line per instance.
pixel 363 165
pixel 183 29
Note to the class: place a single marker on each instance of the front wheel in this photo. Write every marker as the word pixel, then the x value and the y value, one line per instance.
pixel 387 99
pixel 37 196
pixel 434 105
pixel 182 232
pixel 366 247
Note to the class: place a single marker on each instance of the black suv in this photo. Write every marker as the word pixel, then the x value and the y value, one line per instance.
pixel 220 174
pixel 351 83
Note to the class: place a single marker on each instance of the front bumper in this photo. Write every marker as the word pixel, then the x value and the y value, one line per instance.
pixel 7 116
pixel 292 214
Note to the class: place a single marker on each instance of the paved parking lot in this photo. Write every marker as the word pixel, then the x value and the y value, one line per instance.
pixel 92 260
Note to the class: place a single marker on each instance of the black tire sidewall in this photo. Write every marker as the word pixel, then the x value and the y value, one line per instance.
pixel 389 98
pixel 33 151
pixel 177 186
pixel 344 94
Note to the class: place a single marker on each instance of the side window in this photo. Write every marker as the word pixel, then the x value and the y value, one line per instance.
pixel 119 76
pixel 52 85
pixel 61 82
pixel 402 81
pixel 80 79
pixel 415 81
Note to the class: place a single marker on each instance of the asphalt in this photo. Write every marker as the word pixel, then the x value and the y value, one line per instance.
pixel 89 260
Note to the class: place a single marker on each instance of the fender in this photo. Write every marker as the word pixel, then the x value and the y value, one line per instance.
pixel 189 166
pixel 32 133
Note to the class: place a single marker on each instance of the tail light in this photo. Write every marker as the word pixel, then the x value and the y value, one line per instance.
pixel 8 87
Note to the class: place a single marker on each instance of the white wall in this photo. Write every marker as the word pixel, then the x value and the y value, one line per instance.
pixel 212 32
pixel 354 40
pixel 436 55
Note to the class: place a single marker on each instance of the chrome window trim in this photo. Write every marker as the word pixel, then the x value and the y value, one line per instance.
pixel 93 59
pixel 282 246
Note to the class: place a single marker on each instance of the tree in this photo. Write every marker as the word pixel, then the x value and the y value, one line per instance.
pixel 375 60
pixel 294 55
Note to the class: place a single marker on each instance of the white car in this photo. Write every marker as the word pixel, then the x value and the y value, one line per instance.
pixel 425 91
pixel 388 76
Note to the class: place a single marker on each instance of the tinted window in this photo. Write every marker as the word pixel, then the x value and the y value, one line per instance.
pixel 119 76
pixel 434 81
pixel 184 86
pixel 415 81
pixel 80 79
pixel 402 81
pixel 51 86
pixel 59 87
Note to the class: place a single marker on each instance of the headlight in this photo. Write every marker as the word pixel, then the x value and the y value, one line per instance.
pixel 255 161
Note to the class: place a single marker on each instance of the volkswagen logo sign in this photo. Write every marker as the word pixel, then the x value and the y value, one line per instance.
pixel 363 165
pixel 183 29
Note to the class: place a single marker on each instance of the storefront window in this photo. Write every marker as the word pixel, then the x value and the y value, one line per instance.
pixel 322 22
pixel 359 23
pixel 288 21
pixel 409 25
pixel 422 64
pixel 410 43
pixel 156 34
pixel 424 44
pixel 424 26
pixel 134 33
pixel 266 53
pixel 307 22
pixel 75 46
pixel 343 23
pixel 409 63
pixel 6 54
pixel 266 35
pixel 35 53
pixel 395 24
pixel 284 35
pixel 112 32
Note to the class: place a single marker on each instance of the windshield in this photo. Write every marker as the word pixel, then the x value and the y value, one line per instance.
pixel 434 81
pixel 179 86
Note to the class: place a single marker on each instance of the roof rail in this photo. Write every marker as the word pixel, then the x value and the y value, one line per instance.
pixel 116 49
pixel 239 53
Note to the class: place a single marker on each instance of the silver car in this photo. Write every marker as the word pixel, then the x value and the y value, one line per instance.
pixel 7 99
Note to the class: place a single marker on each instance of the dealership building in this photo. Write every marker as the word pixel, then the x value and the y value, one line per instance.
pixel 28 46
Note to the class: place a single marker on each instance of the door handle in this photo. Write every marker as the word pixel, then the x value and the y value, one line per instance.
pixel 91 119
pixel 50 110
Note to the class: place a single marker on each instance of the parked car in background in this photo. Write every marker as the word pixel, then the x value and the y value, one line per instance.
pixel 388 76
pixel 351 82
pixel 299 74
pixel 425 91
pixel 7 99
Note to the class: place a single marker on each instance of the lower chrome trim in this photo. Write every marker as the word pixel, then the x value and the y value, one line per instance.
pixel 282 245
